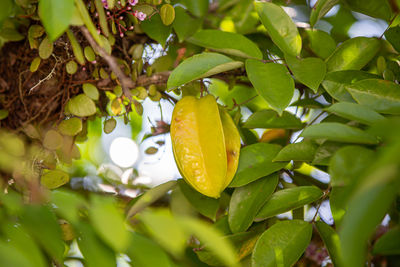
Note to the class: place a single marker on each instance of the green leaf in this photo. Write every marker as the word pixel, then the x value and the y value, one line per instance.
pixel 165 230
pixel 356 112
pixel 353 54
pixel 282 244
pixel 247 200
pixel 348 163
pixel 56 16
pixel 380 95
pixel 35 64
pixel 109 125
pixel 255 161
pixel 52 140
pixel 70 127
pixel 368 205
pixel 242 242
pixel 155 29
pixel 42 224
pixel 150 197
pixel 54 178
pixel 91 91
pixel 338 132
pixel 167 14
pixel 211 239
pixel 11 256
pixel 388 244
pixel 71 67
pixel 20 240
pixel 6 9
pixel 335 83
pixel 272 81
pixel 200 66
pixel 307 103
pixel 280 27
pixel 108 222
pixel 207 206
pixel 321 43
pixel 68 204
pixel 289 199
pixel 144 252
pixel 184 24
pixel 320 9
pixel 332 242
pixel 46 48
pixel 3 114
pixel 94 251
pixel 393 37
pixel 302 151
pixel 198 8
pixel 325 152
pixel 226 42
pixel 309 71
pixel 338 202
pixel 81 106
pixel 269 119
pixel 374 8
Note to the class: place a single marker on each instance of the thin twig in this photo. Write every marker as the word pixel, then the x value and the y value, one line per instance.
pixel 47 77
pixel 125 81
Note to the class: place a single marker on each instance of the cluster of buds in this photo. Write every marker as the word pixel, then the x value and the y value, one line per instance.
pixel 116 14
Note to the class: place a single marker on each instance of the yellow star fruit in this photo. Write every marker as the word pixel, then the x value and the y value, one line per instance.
pixel 206 144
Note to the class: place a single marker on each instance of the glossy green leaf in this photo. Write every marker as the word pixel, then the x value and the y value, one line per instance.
pixel 226 42
pixel 288 199
pixel 353 54
pixel 207 206
pixel 81 106
pixel 109 224
pixel 369 204
pixel 144 252
pixel 309 71
pixel 56 16
pixel 280 27
pixel 272 81
pixel 269 119
pixel 393 36
pixel 155 29
pixel 200 66
pixel 95 252
pixel 282 244
pixel 321 43
pixel 388 244
pixel 335 83
pixel 91 91
pixel 356 112
pixel 348 163
pixel 380 95
pixel 374 8
pixel 332 242
pixel 70 127
pixel 338 202
pixel 255 161
pixel 42 224
pixel 307 103
pixel 165 230
pixel 338 132
pixel 11 256
pixel 211 239
pixel 302 151
pixel 184 24
pixel 242 242
pixel 150 197
pixel 54 178
pixel 247 200
pixel 320 8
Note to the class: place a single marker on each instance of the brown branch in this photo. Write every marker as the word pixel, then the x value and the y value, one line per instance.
pixel 125 81
pixel 157 78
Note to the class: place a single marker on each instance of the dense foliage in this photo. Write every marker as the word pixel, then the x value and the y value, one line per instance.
pixel 327 105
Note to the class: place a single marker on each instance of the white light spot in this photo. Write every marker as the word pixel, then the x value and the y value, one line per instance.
pixel 124 152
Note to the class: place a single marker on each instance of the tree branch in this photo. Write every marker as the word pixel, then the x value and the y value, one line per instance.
pixel 125 81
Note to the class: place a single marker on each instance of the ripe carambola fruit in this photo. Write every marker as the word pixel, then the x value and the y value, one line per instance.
pixel 206 144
